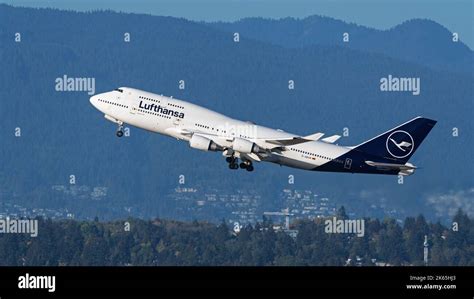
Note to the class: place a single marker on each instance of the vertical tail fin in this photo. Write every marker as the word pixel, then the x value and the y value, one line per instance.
pixel 399 143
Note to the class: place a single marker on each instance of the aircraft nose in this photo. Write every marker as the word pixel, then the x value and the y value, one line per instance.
pixel 94 100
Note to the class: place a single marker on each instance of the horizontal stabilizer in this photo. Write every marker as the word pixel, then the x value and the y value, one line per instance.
pixel 331 139
pixel 404 169
pixel 391 165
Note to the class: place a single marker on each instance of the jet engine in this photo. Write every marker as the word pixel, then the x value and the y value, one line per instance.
pixel 245 146
pixel 203 143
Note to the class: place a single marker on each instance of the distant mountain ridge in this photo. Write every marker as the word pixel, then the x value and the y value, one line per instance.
pixel 418 40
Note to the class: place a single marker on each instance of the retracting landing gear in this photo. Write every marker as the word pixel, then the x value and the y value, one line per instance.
pixel 247 165
pixel 233 162
pixel 119 132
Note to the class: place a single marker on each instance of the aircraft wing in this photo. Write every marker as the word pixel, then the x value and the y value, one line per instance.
pixel 179 133
pixel 280 142
pixel 251 156
pixel 272 145
pixel 295 140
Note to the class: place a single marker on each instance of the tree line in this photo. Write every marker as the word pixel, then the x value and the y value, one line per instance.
pixel 166 242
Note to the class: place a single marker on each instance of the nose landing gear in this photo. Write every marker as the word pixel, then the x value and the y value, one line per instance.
pixel 119 132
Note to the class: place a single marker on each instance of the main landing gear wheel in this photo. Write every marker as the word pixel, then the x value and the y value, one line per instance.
pixel 246 165
pixel 233 162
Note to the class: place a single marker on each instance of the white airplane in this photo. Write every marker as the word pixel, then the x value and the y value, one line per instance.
pixel 207 130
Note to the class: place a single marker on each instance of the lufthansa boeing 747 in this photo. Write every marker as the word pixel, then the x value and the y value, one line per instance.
pixel 246 142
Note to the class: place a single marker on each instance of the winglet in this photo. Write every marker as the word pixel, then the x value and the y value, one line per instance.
pixel 314 137
pixel 331 139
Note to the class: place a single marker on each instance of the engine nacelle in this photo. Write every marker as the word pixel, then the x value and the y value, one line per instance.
pixel 203 143
pixel 245 146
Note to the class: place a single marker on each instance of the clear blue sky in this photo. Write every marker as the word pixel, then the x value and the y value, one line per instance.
pixel 456 15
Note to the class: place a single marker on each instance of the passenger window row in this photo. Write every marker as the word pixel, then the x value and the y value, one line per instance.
pixel 174 105
pixel 312 154
pixel 208 127
pixel 113 103
pixel 153 113
pixel 149 99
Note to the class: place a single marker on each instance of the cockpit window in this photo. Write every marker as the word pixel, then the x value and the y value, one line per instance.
pixel 118 89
